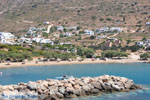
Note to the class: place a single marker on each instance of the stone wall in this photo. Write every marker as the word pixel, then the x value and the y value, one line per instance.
pixel 70 88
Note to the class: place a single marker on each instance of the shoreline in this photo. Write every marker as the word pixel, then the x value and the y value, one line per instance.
pixel 50 63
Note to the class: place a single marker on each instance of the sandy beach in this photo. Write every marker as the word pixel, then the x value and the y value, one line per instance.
pixel 86 61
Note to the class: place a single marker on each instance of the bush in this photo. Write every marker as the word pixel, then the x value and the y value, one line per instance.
pixel 3 55
pixel 145 56
pixel 101 19
pixel 112 53
pixel 85 52
pixel 92 37
pixel 108 19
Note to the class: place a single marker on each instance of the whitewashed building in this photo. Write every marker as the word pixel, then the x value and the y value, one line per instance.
pixel 101 37
pixel 25 40
pixel 67 34
pixel 60 28
pixel 43 41
pixel 6 38
pixel 89 32
pixel 6 35
pixel 117 29
pixel 109 30
pixel 140 43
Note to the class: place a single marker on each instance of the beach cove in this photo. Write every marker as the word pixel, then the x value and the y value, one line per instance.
pixel 49 63
pixel 139 72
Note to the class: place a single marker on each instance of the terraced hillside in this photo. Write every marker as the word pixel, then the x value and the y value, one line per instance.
pixel 18 15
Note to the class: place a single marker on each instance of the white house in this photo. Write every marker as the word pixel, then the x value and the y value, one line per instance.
pixel 26 40
pixel 147 23
pixel 60 28
pixel 43 41
pixel 3 41
pixel 118 29
pixel 101 37
pixel 107 30
pixel 67 34
pixel 71 28
pixel 140 43
pixel 7 38
pixel 89 32
pixel 6 35
pixel 47 41
pixel 31 31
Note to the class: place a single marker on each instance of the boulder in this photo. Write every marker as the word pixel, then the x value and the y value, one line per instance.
pixel 32 85
pixel 59 95
pixel 77 86
pixel 68 85
pixel 94 91
pixel 61 90
pixel 86 88
pixel 42 96
pixel 116 87
pixel 96 85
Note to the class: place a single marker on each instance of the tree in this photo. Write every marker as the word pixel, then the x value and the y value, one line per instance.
pixel 112 53
pixel 101 19
pixel 79 27
pixel 65 56
pixel 27 55
pixel 128 41
pixel 93 18
pixel 48 55
pixel 145 56
pixel 3 56
pixel 134 48
pixel 144 38
pixel 85 52
pixel 92 37
pixel 65 30
pixel 16 56
pixel 45 34
pixel 108 19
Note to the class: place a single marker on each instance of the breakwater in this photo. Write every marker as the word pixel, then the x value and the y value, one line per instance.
pixel 51 89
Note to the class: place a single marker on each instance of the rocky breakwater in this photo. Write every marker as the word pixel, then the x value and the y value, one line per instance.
pixel 70 88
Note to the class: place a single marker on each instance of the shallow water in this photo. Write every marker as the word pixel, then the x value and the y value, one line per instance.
pixel 139 72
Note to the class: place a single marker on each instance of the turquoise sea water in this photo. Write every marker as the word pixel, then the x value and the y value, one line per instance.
pixel 139 72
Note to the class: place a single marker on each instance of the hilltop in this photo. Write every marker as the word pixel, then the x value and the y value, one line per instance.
pixel 17 16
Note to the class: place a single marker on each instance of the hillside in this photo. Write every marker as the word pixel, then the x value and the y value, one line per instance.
pixel 18 15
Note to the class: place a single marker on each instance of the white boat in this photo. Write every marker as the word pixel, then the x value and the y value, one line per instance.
pixel 63 77
pixel 1 73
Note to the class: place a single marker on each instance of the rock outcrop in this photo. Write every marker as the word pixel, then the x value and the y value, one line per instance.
pixel 51 89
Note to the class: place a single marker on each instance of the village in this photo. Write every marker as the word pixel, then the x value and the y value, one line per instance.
pixel 101 43
pixel 41 34
pixel 50 33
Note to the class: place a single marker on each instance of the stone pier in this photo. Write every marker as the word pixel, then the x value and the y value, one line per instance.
pixel 51 89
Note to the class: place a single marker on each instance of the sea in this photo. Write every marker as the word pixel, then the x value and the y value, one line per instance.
pixel 138 72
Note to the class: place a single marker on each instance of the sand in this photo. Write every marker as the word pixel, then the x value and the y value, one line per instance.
pixel 86 61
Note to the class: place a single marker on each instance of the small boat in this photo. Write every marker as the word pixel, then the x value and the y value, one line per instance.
pixel 63 77
pixel 1 73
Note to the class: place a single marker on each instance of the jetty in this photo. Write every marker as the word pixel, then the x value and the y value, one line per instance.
pixel 52 89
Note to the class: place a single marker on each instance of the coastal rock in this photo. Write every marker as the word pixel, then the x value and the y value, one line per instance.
pixel 69 88
pixel 77 86
pixel 42 96
pixel 59 95
pixel 116 87
pixel 78 92
pixel 94 91
pixel 86 88
pixel 68 85
pixel 32 85
pixel 61 90
pixel 96 85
